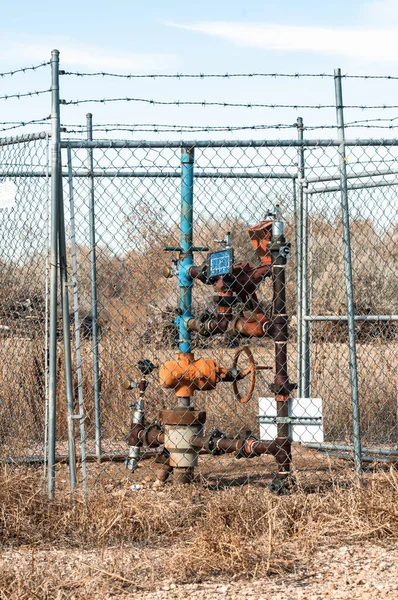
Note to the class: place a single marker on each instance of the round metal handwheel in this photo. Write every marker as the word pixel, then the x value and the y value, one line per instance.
pixel 250 370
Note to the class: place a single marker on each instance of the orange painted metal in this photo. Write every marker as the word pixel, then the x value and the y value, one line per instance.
pixel 260 235
pixel 185 375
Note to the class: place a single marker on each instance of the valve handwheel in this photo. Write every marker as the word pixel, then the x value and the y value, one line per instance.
pixel 250 370
pixel 241 374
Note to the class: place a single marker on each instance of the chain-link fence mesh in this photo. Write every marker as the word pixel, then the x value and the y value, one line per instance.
pixel 137 205
pixel 24 223
pixel 373 226
pixel 137 193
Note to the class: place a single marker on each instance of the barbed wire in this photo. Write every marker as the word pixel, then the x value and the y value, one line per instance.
pixel 172 128
pixel 205 103
pixel 24 69
pixel 18 124
pixel 374 120
pixel 24 94
pixel 219 75
pixel 189 75
pixel 159 128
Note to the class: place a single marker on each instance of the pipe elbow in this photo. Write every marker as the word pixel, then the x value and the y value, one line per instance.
pixel 252 326
pixel 135 436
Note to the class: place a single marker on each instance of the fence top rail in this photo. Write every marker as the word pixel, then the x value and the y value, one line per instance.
pixel 27 137
pixel 108 173
pixel 120 144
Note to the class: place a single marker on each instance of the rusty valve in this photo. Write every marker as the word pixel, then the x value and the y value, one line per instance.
pixel 185 375
pixel 250 370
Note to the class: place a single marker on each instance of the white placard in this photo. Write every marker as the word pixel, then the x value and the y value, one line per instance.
pixel 309 408
pixel 8 192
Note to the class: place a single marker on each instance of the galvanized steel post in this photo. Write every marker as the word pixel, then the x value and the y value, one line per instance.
pixel 83 457
pixel 94 299
pixel 348 273
pixel 66 340
pixel 303 338
pixel 55 187
pixel 186 256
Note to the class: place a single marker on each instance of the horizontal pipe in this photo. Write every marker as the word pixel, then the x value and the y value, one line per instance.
pixel 153 174
pixel 379 173
pixel 197 143
pixel 356 318
pixel 356 186
pixel 369 451
pixel 364 458
pixel 225 143
pixel 27 137
pixel 63 459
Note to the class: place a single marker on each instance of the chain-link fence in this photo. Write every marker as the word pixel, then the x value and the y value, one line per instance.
pixel 198 280
pixel 122 209
pixel 24 263
pixel 137 201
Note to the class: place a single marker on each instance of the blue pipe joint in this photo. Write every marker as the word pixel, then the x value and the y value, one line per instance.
pixel 186 256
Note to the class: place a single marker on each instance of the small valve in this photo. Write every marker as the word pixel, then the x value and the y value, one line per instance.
pixel 226 241
pixel 130 385
pixel 146 366
pixel 168 272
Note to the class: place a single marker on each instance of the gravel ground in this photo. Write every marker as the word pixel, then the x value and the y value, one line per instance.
pixel 366 572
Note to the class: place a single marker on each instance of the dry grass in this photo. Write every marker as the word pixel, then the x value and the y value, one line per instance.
pixel 22 391
pixel 119 541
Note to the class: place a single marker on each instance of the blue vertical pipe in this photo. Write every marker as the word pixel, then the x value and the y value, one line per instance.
pixel 186 257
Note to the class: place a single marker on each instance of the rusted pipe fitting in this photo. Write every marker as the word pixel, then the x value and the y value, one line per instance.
pixel 283 456
pixel 183 475
pixel 217 443
pixel 164 473
pixel 151 436
pixel 250 325
pixel 135 435
pixel 251 447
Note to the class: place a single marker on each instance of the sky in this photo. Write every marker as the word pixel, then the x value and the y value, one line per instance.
pixel 359 36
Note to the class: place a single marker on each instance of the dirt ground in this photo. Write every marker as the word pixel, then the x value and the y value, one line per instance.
pixel 362 571
pixel 326 540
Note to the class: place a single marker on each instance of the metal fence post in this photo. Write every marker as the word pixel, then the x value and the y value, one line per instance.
pixel 47 306
pixel 303 346
pixel 94 301
pixel 77 325
pixel 55 187
pixel 348 273
pixel 70 409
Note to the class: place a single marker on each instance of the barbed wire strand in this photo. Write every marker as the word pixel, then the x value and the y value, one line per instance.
pixel 219 75
pixel 172 128
pixel 19 124
pixel 24 69
pixel 24 95
pixel 206 103
pixel 166 128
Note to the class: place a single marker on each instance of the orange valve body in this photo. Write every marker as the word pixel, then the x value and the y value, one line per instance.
pixel 185 375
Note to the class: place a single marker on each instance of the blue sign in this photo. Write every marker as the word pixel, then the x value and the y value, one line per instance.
pixel 220 263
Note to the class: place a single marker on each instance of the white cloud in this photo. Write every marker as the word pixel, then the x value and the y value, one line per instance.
pixel 367 43
pixel 78 55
